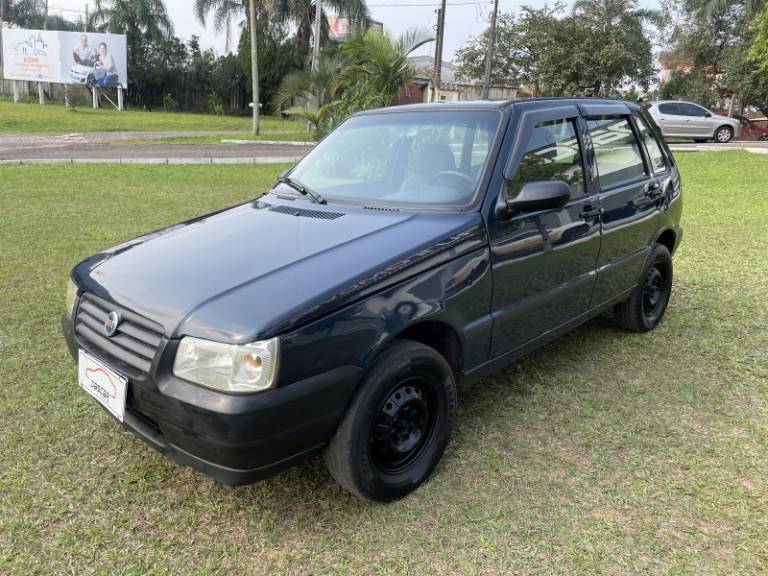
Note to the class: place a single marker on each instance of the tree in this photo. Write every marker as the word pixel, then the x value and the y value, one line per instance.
pixel 381 61
pixel 316 87
pixel 301 14
pixel 275 56
pixel 705 8
pixel 759 50
pixel 600 48
pixel 298 13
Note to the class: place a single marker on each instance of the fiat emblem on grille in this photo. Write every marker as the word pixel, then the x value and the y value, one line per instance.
pixel 111 323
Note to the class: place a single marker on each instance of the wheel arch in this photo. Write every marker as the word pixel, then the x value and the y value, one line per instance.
pixel 437 334
pixel 668 238
pixel 720 127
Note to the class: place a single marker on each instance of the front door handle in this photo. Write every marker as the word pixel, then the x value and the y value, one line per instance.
pixel 590 212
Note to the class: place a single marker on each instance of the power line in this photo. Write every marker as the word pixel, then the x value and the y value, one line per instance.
pixel 429 4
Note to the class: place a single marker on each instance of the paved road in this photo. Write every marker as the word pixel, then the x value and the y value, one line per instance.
pixel 115 146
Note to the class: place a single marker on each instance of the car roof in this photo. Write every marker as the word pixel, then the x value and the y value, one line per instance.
pixel 675 102
pixel 490 104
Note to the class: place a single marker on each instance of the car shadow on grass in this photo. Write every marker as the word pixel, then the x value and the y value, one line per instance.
pixel 308 489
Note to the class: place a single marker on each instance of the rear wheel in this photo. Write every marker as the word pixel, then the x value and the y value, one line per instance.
pixel 397 427
pixel 645 308
pixel 724 134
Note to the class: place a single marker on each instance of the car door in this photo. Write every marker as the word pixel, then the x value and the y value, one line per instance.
pixel 630 196
pixel 698 120
pixel 669 119
pixel 543 262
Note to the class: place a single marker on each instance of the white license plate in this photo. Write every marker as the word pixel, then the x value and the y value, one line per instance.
pixel 103 383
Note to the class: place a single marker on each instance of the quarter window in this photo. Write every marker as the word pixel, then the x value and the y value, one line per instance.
pixel 616 150
pixel 658 161
pixel 553 153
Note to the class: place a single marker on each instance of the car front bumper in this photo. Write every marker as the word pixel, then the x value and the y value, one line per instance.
pixel 236 439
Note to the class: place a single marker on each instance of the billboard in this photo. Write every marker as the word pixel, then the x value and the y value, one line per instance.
pixel 90 59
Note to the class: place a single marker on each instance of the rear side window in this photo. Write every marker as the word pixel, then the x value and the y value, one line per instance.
pixel 691 110
pixel 658 161
pixel 669 109
pixel 617 150
pixel 552 153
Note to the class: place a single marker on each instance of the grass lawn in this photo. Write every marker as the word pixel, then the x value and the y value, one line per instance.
pixel 55 118
pixel 605 452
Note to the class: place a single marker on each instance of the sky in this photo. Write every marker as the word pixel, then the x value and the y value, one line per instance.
pixel 464 19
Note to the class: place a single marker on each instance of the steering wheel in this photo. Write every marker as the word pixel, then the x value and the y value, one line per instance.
pixel 452 174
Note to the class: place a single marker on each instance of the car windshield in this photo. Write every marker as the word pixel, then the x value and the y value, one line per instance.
pixel 432 158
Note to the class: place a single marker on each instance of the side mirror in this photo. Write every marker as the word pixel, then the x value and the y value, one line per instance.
pixel 536 196
pixel 707 114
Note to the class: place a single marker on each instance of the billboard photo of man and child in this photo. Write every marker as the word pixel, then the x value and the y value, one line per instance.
pixel 89 59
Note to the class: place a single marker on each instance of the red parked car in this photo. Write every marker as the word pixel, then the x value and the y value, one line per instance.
pixel 750 130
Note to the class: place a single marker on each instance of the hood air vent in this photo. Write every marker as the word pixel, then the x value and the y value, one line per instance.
pixel 303 212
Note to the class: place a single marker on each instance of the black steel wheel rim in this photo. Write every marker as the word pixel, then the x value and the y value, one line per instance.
pixel 654 293
pixel 403 426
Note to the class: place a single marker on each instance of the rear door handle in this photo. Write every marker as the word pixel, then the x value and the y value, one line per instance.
pixel 590 212
pixel 653 190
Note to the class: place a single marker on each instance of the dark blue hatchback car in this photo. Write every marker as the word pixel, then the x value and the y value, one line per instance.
pixel 414 250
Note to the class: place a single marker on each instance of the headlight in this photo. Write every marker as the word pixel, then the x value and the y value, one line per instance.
pixel 71 297
pixel 228 367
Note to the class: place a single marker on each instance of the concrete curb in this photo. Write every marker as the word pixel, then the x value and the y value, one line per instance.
pixel 710 148
pixel 169 161
pixel 269 142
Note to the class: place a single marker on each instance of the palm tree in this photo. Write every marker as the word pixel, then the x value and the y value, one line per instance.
pixel 300 13
pixel 381 61
pixel 135 18
pixel 319 87
pixel 224 12
pixel 706 8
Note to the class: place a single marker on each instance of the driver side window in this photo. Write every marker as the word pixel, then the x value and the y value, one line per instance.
pixel 553 153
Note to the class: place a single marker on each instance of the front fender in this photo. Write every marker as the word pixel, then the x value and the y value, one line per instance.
pixel 456 293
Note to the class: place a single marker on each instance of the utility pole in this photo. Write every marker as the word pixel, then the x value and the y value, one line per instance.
pixel 2 8
pixel 316 47
pixel 254 70
pixel 489 51
pixel 439 51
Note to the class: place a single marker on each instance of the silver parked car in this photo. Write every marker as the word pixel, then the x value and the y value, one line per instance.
pixel 688 120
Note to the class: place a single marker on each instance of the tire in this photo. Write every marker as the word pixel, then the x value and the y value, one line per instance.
pixel 645 308
pixel 723 134
pixel 701 140
pixel 398 424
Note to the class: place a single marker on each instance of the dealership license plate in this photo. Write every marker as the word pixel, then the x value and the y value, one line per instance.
pixel 103 383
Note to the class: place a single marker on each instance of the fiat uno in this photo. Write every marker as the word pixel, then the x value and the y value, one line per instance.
pixel 414 250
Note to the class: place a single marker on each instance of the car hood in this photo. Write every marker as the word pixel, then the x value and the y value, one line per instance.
pixel 258 269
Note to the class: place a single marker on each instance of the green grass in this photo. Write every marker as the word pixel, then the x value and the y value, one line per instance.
pixel 55 118
pixel 605 452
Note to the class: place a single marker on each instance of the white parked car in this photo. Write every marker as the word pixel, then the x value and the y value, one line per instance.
pixel 680 119
pixel 91 76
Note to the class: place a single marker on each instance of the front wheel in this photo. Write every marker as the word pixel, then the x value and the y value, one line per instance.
pixel 397 427
pixel 724 134
pixel 645 308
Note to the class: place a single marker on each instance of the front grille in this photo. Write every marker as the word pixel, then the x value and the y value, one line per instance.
pixel 136 342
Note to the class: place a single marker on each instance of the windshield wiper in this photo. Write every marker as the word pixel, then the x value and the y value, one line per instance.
pixel 305 190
